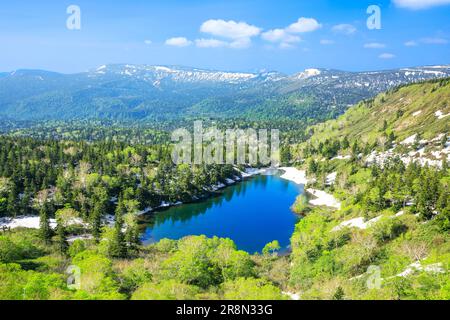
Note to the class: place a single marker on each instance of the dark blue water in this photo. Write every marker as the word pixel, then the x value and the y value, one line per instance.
pixel 251 213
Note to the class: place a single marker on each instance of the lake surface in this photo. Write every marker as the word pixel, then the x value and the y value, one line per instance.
pixel 251 213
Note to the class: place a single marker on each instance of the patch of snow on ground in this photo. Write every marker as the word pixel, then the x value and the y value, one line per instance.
pixel 339 157
pixel 323 199
pixel 80 237
pixel 292 296
pixel 230 181
pixel 440 115
pixel 331 178
pixel 417 266
pixel 294 175
pixel 409 140
pixel 400 213
pixel 24 222
pixel 357 223
pixel 250 172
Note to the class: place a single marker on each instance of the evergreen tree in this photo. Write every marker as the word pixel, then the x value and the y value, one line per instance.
pixel 96 221
pixel 339 294
pixel 61 238
pixel 117 248
pixel 44 224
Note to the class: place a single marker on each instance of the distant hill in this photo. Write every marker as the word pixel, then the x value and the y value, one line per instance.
pixel 141 92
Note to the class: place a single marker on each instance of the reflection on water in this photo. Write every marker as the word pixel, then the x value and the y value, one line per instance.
pixel 251 213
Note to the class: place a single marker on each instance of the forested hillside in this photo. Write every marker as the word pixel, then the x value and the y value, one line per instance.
pixel 156 93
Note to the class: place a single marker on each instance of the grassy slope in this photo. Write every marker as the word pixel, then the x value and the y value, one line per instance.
pixel 365 121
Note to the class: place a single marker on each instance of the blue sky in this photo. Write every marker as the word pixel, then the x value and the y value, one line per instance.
pixel 286 36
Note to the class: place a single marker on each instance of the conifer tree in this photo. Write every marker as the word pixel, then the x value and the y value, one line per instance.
pixel 61 238
pixel 44 224
pixel 96 222
pixel 117 248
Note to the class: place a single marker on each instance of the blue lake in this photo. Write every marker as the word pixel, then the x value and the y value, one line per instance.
pixel 251 213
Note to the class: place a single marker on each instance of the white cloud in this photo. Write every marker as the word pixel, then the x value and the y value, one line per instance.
pixel 286 45
pixel 241 43
pixel 344 28
pixel 374 45
pixel 211 43
pixel 420 4
pixel 287 37
pixel 434 41
pixel 280 35
pixel 178 42
pixel 230 29
pixel 148 42
pixel 386 56
pixel 304 25
pixel 326 42
pixel 411 43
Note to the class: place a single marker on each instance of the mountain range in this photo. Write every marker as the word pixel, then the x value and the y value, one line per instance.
pixel 155 93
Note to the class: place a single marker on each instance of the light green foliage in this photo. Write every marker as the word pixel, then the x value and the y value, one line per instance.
pixel 165 290
pixel 271 248
pixel 76 247
pixel 301 205
pixel 17 246
pixel 17 284
pixel 204 262
pixel 166 245
pixel 388 228
pixel 254 289
pixel 97 277
pixel 134 274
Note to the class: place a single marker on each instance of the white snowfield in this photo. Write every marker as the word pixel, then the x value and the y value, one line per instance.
pixel 413 268
pixel 292 296
pixel 331 179
pixel 250 172
pixel 421 156
pixel 409 140
pixel 358 223
pixel 440 115
pixel 340 157
pixel 294 175
pixel 417 267
pixel 323 199
pixel 24 222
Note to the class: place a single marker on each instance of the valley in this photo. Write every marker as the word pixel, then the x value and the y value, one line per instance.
pixel 366 190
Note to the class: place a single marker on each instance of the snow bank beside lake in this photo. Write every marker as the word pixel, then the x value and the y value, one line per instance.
pixel 250 172
pixel 323 199
pixel 294 175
